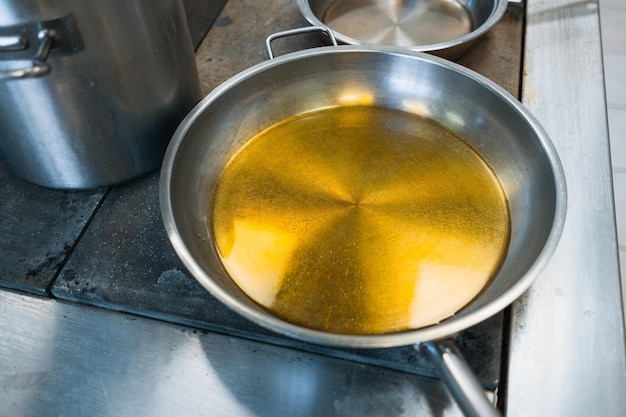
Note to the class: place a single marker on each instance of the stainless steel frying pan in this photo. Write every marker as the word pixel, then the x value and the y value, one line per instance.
pixel 494 123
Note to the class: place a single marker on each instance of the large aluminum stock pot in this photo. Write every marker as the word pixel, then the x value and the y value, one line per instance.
pixel 494 123
pixel 92 91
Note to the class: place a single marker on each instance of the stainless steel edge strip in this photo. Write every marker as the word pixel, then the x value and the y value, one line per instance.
pixel 567 354
pixel 64 359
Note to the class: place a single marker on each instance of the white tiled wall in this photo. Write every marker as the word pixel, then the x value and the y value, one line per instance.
pixel 613 26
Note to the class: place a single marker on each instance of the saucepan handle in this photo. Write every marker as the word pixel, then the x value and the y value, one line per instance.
pixel 268 41
pixel 459 378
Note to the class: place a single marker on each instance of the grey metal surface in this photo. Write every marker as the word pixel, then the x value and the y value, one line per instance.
pixel 59 359
pixel 567 355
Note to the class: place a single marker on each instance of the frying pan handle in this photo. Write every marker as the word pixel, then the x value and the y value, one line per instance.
pixel 308 29
pixel 459 378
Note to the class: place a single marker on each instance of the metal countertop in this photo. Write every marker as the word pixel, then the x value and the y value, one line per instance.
pixel 567 340
pixel 100 318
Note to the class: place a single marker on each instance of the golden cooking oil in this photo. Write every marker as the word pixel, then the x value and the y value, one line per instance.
pixel 360 220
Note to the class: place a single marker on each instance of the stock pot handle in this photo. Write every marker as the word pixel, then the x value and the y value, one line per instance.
pixel 39 66
pixel 308 29
pixel 459 378
pixel 60 34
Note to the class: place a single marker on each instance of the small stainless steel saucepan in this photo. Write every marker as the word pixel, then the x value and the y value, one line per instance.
pixel 446 28
pixel 477 110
